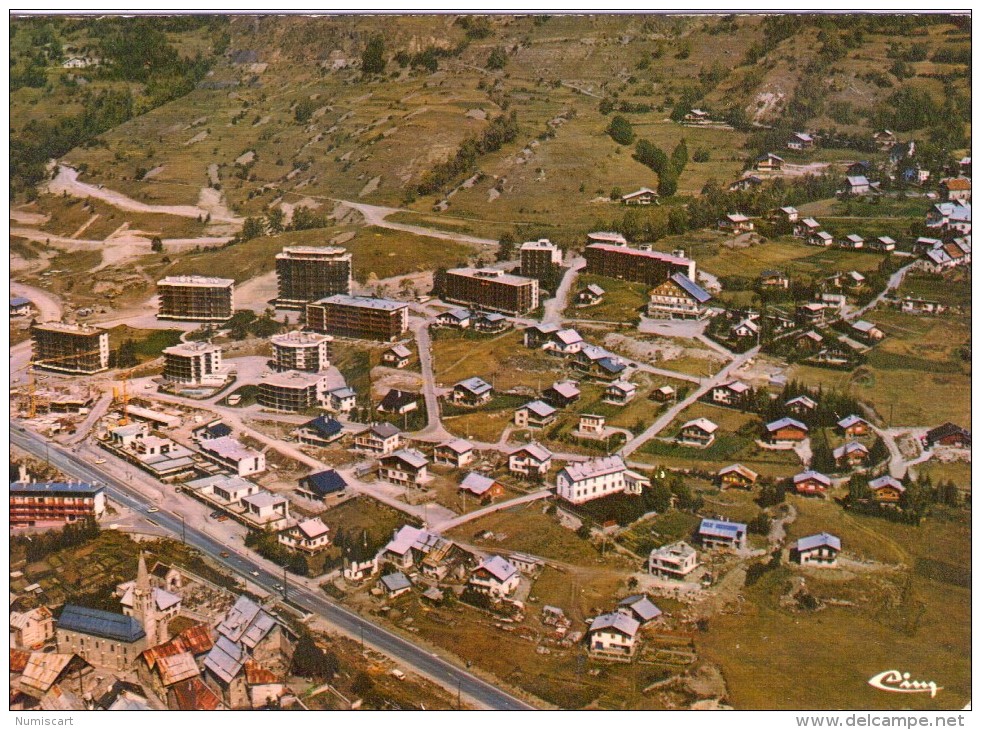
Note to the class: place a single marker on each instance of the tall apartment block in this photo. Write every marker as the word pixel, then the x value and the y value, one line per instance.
pixel 491 289
pixel 632 264
pixel 363 317
pixel 309 273
pixel 540 258
pixel 307 351
pixel 70 348
pixel 49 503
pixel 193 363
pixel 292 391
pixel 196 298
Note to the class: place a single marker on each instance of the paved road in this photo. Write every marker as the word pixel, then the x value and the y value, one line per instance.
pixel 894 281
pixel 376 215
pixel 477 514
pixel 422 661
pixel 557 304
pixel 48 306
pixel 434 426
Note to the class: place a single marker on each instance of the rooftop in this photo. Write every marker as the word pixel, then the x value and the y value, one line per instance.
pixel 721 528
pixel 536 451
pixel 810 475
pixel 104 624
pixel 69 327
pixel 578 471
pixel 475 385
pixel 411 457
pixel 476 483
pixel 667 258
pixel 299 338
pixel 498 567
pixel 617 622
pixel 539 408
pixel 699 294
pixel 229 448
pixel 823 539
pixel 202 281
pixel 325 482
pixel 318 251
pixel 188 349
pixel 389 305
pixel 78 488
pixel 510 279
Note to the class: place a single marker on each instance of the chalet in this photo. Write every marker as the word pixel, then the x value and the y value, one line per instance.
pixel 536 414
pixel 737 475
pixel 564 342
pixel 639 607
pixel 857 185
pixel 800 141
pixel 732 393
pixel 697 116
pixel 948 434
pixel 867 331
pixel 580 482
pixel 956 189
pixel 774 279
pixel 806 228
pixel 854 280
pixel 834 301
pixel 748 182
pixel 471 392
pixel 699 432
pixel 811 313
pixel 456 318
pixel 398 402
pixel 678 298
pixel 811 483
pixel 619 392
pixel 785 430
pixel 491 323
pixel 562 394
pixel 789 213
pixel 886 490
pixel 20 306
pixel 321 431
pixel 456 453
pixel 397 356
pixel 820 238
pixel 644 196
pixel 321 484
pixel 598 363
pixel 612 635
pixel 483 487
pixel 411 546
pixel 405 467
pixel 310 536
pixel 852 240
pixel 883 243
pixel 745 328
pixel 914 174
pixel 495 576
pixel 818 551
pixel 674 561
pixel 768 163
pixel 915 305
pixel 31 629
pixel 538 335
pixel 342 400
pixel 379 438
pixel 591 424
pixel 722 534
pixel 851 455
pixel 736 222
pixel 801 405
pixel 592 294
pixel 950 217
pixel 395 584
pixel 532 458
pixel 884 139
pixel 937 261
pixel 663 394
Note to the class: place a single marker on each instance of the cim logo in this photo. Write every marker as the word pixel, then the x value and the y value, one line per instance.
pixel 892 680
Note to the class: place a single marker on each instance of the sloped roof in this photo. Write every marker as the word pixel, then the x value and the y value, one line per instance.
pixel 578 471
pixel 500 568
pixel 886 481
pixel 568 336
pixel 105 624
pixel 395 400
pixel 384 430
pixel 396 581
pixel 476 483
pixel 810 475
pixel 324 425
pixel 539 408
pixel 850 448
pixel 693 289
pixel 823 539
pixel 255 673
pixel 225 659
pixel 325 482
pixel 702 424
pixel 642 606
pixel 535 450
pixel 566 389
pixel 474 385
pixel 177 668
pixel 457 314
pixel 400 351
pixel 783 423
pixel 313 528
pixel 457 446
pixel 721 528
pixel 194 694
pixel 849 421
pixel 739 469
pixel 42 670
pixel 616 621
pixel 18 660
pixel 413 458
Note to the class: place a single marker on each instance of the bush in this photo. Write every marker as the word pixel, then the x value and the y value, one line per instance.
pixel 621 130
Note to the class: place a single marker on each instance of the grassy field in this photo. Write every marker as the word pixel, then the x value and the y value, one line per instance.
pixel 501 360
pixel 958 472
pixel 149 344
pixel 363 514
pixel 624 301
pixel 951 290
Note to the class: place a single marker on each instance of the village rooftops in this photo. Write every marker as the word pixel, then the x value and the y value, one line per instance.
pixel 642 606
pixel 326 482
pixel 395 582
pixel 105 624
pixel 535 451
pixel 459 314
pixel 857 180
pixel 811 475
pixel 784 423
pixel 667 258
pixel 568 336
pixel 457 446
pixel 384 430
pixel 721 528
pixel 264 499
pixel 822 539
pixel 607 237
pixel 201 281
pixel 579 471
pixel 539 408
pixel 313 528
pixel 616 621
pixel 79 488
pixel 342 392
pixel 803 399
pixel 299 338
pixel 389 305
pixel 863 326
pixel 887 481
pixel 293 379
pixel 411 457
pixel 566 389
pixel 697 293
pixel 702 424
pixel 736 386
pixel 69 327
pixel 400 351
pixel 324 425
pixel 229 448
pixel 740 470
pixel 736 218
pixel 498 567
pixel 409 537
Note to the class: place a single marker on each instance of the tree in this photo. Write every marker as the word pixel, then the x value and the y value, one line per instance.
pixel 274 220
pixel 667 184
pixel 647 153
pixel 156 244
pixel 373 56
pixel 505 251
pixel 583 531
pixel 658 497
pixel 497 59
pixel 309 660
pixel 621 130
pixel 252 228
pixel 126 354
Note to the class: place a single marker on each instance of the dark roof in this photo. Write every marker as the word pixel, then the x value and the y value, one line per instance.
pixel 395 400
pixel 611 365
pixel 324 482
pixel 215 430
pixel 947 429
pixel 325 425
pixel 108 625
pixel 19 301
pixel 74 488
pixel 700 295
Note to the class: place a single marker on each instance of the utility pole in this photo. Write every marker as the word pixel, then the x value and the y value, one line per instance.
pixel 286 584
pixel 183 531
pixel 459 681
pixel 362 637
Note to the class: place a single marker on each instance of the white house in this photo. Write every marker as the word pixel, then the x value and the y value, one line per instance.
pixel 581 482
pixel 310 536
pixel 528 459
pixel 233 455
pixel 819 551
pixel 673 561
pixel 613 635
pixel 379 438
pixel 495 576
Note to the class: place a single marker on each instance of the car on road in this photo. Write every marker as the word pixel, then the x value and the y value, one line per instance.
pixel 216 513
pixel 279 586
pixel 255 573
pixel 222 518
pixel 225 554
pixel 151 510
pixel 100 461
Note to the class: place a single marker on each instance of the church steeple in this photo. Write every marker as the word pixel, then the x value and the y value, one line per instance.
pixel 145 606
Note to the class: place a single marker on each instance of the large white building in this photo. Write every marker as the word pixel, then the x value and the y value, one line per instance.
pixel 292 391
pixel 581 482
pixel 194 363
pixel 233 455
pixel 309 351
pixel 676 561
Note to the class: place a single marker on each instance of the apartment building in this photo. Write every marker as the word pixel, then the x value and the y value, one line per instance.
pixel 540 258
pixel 632 264
pixel 307 351
pixel 196 298
pixel 54 503
pixel 70 348
pixel 292 391
pixel 194 363
pixel 581 482
pixel 365 318
pixel 308 273
pixel 490 289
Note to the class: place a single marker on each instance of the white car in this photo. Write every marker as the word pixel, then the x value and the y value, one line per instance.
pixel 100 461
pixel 255 573
pixel 151 510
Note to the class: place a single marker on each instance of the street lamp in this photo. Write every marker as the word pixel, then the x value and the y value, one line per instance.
pixel 183 532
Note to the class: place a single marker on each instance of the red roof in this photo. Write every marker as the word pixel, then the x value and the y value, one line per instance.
pixel 194 694
pixel 196 639
pixel 958 183
pixel 18 660
pixel 255 673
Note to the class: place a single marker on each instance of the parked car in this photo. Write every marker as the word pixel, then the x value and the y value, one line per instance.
pixel 225 554
pixel 151 510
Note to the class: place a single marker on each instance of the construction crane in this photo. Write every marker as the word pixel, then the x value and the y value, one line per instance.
pixel 121 395
pixel 32 378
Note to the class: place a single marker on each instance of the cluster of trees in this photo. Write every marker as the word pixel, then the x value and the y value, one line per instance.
pixel 273 222
pixel 500 131
pixel 914 503
pixel 245 322
pixel 668 169
pixel 124 356
pixel 310 660
pixel 621 130
pixel 37 547
pixel 823 460
pixel 267 545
